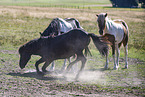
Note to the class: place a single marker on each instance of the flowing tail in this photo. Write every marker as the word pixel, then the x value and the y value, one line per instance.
pixel 78 24
pixel 125 25
pixel 100 45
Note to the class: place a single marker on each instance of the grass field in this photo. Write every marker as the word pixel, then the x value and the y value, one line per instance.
pixel 56 3
pixel 21 24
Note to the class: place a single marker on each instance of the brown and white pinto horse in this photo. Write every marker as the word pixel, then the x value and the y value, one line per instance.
pixel 116 32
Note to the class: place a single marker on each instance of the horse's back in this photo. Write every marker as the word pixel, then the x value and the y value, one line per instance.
pixel 75 34
pixel 123 23
pixel 115 27
pixel 68 44
pixel 74 22
pixel 65 26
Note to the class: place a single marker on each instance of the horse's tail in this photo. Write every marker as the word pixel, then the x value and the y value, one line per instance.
pixel 125 25
pixel 126 31
pixel 77 23
pixel 100 45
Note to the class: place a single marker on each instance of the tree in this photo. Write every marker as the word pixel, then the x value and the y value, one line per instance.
pixel 124 3
pixel 142 3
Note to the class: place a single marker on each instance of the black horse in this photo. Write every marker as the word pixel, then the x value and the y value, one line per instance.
pixel 52 29
pixel 60 47
pixel 59 26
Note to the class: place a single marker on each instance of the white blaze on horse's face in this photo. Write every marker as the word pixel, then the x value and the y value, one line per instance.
pixel 101 22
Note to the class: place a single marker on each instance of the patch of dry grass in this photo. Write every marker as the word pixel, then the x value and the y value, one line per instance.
pixel 20 21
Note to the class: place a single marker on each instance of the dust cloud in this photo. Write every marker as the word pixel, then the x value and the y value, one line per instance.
pixel 86 76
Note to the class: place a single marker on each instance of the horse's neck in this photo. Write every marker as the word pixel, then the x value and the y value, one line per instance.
pixel 108 24
pixel 108 21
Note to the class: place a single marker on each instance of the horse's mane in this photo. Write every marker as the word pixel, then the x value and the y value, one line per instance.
pixel 29 46
pixel 34 45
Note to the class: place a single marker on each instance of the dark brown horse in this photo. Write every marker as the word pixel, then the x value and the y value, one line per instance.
pixel 57 27
pixel 60 47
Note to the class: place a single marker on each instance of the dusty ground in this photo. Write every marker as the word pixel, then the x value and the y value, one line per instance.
pixel 93 83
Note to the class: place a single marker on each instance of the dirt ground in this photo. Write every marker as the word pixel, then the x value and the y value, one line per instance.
pixel 92 83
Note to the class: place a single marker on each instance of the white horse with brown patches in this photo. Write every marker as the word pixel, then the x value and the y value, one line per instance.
pixel 116 32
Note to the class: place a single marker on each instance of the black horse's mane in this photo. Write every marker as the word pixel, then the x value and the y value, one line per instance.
pixel 35 43
pixel 29 46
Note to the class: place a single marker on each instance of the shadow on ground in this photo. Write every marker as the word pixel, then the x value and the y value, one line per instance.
pixel 49 77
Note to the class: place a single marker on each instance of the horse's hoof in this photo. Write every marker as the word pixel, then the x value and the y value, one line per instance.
pixel 45 71
pixel 105 67
pixel 40 73
pixel 115 68
pixel 48 72
pixel 126 67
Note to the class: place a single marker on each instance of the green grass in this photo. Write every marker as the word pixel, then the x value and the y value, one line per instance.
pixel 55 3
pixel 18 26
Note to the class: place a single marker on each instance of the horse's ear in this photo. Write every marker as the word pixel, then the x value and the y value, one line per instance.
pixel 40 33
pixel 106 15
pixel 97 15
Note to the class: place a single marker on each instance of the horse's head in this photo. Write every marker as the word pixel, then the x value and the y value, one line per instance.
pixel 101 22
pixel 52 29
pixel 24 57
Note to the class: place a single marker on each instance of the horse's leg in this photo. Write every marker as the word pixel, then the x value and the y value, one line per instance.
pixel 74 68
pixel 70 65
pixel 125 44
pixel 37 63
pixel 118 53
pixel 69 60
pixel 113 54
pixel 46 64
pixel 52 66
pixel 83 60
pixel 64 65
pixel 126 53
pixel 107 62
